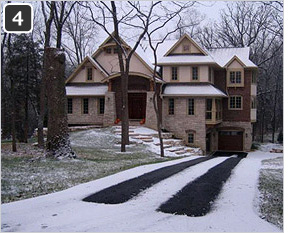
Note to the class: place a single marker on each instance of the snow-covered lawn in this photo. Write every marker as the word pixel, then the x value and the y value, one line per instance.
pixel 28 174
pixel 234 210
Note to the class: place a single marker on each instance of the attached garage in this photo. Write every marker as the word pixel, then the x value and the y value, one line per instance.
pixel 230 140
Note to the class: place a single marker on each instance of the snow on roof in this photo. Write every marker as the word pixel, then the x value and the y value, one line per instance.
pixel 192 90
pixel 223 55
pixel 91 90
pixel 220 56
pixel 186 59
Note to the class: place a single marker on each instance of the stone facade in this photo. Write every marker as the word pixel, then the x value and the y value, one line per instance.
pixel 181 123
pixel 110 109
pixel 151 119
pixel 92 118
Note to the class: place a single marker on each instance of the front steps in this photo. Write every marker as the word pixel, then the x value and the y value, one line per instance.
pixel 170 144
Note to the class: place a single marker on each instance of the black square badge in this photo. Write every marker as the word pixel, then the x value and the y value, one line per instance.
pixel 18 18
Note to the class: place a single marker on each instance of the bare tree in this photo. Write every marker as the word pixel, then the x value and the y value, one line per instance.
pixel 260 26
pixel 168 17
pixel 82 34
pixel 62 10
pixel 48 19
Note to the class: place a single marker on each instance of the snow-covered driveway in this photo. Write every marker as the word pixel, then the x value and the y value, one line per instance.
pixel 234 210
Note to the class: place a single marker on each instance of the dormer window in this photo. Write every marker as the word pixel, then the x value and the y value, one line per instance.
pixel 89 74
pixel 186 48
pixel 235 78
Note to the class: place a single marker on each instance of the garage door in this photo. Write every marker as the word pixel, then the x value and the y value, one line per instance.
pixel 230 140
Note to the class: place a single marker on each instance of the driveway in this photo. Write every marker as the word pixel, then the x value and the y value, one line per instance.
pixel 233 210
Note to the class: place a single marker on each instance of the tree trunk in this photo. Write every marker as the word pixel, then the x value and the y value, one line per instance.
pixel 26 118
pixel 13 117
pixel 58 143
pixel 42 108
pixel 124 113
pixel 159 123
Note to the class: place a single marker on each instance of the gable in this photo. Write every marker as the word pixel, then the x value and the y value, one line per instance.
pixel 186 45
pixel 235 63
pixel 80 74
pixel 110 63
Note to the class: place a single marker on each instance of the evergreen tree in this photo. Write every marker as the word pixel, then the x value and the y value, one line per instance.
pixel 22 72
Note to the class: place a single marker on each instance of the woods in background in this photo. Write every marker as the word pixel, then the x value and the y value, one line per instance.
pixel 258 25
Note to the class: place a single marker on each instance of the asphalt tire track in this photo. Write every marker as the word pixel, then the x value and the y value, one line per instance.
pixel 197 197
pixel 128 189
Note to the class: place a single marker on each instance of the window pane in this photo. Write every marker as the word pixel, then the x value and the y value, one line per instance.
pixel 85 106
pixel 108 50
pixel 171 107
pixel 194 73
pixel 238 77
pixel 101 105
pixel 232 77
pixel 209 104
pixel 232 102
pixel 238 102
pixel 190 106
pixel 174 73
pixel 69 106
pixel 190 138
pixel 89 74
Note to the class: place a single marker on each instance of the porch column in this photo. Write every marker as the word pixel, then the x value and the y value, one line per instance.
pixel 151 120
pixel 110 109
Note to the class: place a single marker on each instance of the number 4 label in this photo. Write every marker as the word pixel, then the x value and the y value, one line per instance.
pixel 18 18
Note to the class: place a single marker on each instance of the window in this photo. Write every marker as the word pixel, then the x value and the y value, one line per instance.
pixel 208 109
pixel 101 105
pixel 171 107
pixel 186 48
pixel 190 106
pixel 235 77
pixel 69 105
pixel 85 106
pixel 108 50
pixel 115 50
pixel 235 102
pixel 190 138
pixel 174 71
pixel 253 102
pixel 194 73
pixel 89 74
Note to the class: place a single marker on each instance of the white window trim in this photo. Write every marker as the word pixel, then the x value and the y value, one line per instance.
pixel 235 103
pixel 229 84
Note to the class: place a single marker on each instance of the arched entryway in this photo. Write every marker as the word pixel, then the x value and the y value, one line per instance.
pixel 137 96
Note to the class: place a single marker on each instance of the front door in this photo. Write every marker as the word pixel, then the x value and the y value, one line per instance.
pixel 137 105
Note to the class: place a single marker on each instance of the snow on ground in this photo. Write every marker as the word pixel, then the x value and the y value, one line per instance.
pixel 267 147
pixel 154 147
pixel 234 210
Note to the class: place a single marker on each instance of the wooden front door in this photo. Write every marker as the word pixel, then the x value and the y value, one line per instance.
pixel 137 105
pixel 230 140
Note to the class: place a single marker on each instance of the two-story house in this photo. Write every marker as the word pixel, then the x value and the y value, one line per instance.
pixel 207 97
